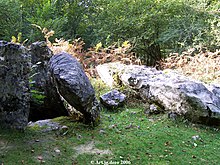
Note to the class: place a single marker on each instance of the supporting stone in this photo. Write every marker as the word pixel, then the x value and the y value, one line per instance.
pixel 14 85
pixel 45 101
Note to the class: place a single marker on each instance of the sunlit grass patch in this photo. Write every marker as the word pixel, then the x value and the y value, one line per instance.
pixel 129 135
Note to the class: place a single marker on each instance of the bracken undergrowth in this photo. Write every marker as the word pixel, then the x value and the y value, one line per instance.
pixel 97 55
pixel 201 65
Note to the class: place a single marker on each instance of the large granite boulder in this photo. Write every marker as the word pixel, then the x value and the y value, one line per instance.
pixel 74 86
pixel 14 85
pixel 45 100
pixel 173 92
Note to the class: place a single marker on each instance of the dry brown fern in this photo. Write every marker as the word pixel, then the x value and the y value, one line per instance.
pixel 204 65
pixel 97 55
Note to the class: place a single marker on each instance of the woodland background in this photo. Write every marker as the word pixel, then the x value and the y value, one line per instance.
pixel 154 28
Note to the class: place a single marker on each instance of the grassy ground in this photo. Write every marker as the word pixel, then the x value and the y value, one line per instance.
pixel 124 137
pixel 127 136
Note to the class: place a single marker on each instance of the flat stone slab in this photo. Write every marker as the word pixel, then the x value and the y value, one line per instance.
pixel 46 125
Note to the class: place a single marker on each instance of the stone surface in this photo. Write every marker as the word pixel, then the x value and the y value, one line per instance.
pixel 113 99
pixel 74 86
pixel 106 78
pixel 40 56
pixel 153 109
pixel 108 71
pixel 14 85
pixel 173 92
pixel 45 101
pixel 46 125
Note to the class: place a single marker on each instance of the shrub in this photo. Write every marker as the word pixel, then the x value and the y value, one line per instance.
pixel 11 19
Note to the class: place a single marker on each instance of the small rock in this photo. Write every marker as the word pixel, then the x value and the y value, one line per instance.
pixel 57 151
pixel 101 131
pixel 113 99
pixel 64 127
pixel 151 120
pixel 195 145
pixel 141 119
pixel 154 109
pixel 172 115
pixel 113 126
pixel 196 137
pixel 129 126
pixel 40 158
pixel 64 130
pixel 79 136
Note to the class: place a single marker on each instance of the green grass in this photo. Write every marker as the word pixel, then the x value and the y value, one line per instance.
pixel 128 135
pixel 131 136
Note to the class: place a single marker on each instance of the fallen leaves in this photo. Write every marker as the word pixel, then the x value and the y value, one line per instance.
pixel 112 126
pixel 167 143
pixel 40 159
pixel 132 126
pixel 110 142
pixel 193 156
pixel 102 131
pixel 129 126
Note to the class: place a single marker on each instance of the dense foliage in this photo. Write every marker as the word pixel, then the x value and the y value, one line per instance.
pixel 10 22
pixel 153 27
